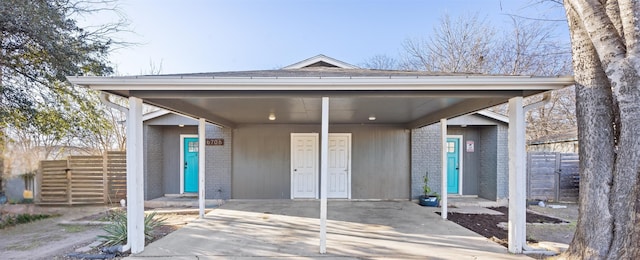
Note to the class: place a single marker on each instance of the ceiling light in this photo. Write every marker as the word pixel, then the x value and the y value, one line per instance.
pixel 181 125
pixel 372 118
pixel 272 116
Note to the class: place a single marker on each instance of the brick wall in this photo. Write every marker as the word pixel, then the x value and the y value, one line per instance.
pixel 425 158
pixel 153 155
pixel 502 170
pixel 488 163
pixel 218 164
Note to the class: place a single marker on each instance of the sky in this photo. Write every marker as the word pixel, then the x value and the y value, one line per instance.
pixel 207 36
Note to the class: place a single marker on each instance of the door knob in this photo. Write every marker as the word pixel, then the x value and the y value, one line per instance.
pixel 185 165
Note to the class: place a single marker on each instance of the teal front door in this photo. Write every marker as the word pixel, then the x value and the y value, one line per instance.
pixel 190 164
pixel 453 167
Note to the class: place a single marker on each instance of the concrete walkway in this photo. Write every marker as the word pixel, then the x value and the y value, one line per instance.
pixel 356 230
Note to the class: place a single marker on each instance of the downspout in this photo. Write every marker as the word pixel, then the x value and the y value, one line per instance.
pixel 104 98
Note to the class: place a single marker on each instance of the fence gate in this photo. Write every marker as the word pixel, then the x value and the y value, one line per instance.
pixel 552 176
pixel 83 180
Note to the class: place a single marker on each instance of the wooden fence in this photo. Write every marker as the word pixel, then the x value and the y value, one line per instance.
pixel 83 180
pixel 552 176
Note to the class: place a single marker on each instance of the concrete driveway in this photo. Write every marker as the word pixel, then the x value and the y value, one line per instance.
pixel 290 229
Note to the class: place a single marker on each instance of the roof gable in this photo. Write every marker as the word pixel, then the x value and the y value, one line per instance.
pixel 320 61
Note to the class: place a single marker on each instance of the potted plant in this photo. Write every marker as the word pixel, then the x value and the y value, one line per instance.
pixel 430 199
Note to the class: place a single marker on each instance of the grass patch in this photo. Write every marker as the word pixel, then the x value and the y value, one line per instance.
pixel 74 229
pixel 7 220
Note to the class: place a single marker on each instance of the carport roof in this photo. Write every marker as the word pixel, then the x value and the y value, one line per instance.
pixel 411 98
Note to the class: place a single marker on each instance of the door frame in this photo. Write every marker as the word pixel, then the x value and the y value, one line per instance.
pixel 316 177
pixel 349 157
pixel 181 166
pixel 460 160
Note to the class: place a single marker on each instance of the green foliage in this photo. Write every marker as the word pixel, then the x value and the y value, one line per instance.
pixel 40 44
pixel 11 219
pixel 117 229
pixel 426 189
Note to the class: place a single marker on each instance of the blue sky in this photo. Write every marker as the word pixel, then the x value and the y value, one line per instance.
pixel 204 36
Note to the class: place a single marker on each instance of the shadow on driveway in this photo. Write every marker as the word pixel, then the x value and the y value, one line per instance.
pixel 290 229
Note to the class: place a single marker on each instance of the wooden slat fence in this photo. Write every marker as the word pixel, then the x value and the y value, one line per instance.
pixel 83 180
pixel 552 176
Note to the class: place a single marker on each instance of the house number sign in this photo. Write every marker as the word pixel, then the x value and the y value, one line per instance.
pixel 214 141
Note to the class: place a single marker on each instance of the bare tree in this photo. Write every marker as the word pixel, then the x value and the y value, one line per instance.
pixel 459 45
pixel 468 44
pixel 380 62
pixel 605 37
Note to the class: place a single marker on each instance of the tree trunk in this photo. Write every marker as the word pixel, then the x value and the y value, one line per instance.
pixel 608 111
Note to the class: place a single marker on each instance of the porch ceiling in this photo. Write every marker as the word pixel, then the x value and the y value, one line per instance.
pixel 412 101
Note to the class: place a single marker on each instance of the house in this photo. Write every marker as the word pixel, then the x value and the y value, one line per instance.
pixel 322 128
pixel 480 168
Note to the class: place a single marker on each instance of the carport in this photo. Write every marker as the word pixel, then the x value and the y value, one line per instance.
pixel 277 229
pixel 304 94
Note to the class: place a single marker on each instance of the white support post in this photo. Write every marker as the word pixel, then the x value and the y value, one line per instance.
pixel 201 164
pixel 324 152
pixel 517 176
pixel 135 182
pixel 443 133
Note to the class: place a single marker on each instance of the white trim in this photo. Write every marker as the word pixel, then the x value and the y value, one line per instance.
pixel 201 164
pixel 316 136
pixel 349 157
pixel 319 58
pixel 442 83
pixel 135 177
pixel 443 170
pixel 493 115
pixel 517 177
pixel 182 137
pixel 460 160
pixel 154 114
pixel 324 152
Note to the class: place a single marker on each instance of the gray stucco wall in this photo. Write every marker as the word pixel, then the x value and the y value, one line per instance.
pixel 262 155
pixel 153 156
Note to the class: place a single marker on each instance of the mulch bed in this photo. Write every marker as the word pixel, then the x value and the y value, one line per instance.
pixel 487 225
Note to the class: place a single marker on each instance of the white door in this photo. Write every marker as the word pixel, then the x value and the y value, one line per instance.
pixel 304 165
pixel 339 177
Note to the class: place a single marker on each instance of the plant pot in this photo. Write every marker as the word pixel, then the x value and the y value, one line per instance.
pixel 429 201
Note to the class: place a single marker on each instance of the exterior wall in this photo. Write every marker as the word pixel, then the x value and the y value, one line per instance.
pixel 425 158
pixel 262 156
pixel 218 164
pixel 171 161
pixel 171 119
pixel 162 161
pixel 488 148
pixel 153 155
pixel 502 163
pixel 485 171
pixel 470 160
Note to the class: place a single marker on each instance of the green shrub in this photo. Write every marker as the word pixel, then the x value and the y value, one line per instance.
pixel 117 229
